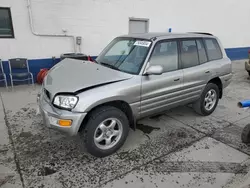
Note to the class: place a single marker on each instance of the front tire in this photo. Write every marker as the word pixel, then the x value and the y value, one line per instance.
pixel 208 100
pixel 106 131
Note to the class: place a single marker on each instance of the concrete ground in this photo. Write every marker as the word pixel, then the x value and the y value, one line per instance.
pixel 177 149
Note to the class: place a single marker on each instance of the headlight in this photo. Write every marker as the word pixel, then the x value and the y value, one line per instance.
pixel 65 101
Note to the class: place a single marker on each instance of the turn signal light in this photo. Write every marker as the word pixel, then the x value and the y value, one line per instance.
pixel 64 122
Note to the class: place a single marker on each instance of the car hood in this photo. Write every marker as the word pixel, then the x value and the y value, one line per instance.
pixel 74 76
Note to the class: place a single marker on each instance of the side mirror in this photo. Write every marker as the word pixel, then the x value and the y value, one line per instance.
pixel 154 70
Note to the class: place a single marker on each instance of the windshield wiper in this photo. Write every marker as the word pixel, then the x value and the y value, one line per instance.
pixel 110 66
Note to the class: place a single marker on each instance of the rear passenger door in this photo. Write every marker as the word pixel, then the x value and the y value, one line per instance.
pixel 160 92
pixel 196 72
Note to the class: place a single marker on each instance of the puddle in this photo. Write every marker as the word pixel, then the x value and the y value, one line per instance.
pixel 146 128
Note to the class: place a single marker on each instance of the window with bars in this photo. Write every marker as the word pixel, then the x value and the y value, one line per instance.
pixel 6 27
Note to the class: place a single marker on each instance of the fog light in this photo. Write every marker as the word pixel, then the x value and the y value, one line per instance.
pixel 64 122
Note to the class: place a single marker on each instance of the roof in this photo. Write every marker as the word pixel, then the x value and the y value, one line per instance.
pixel 165 35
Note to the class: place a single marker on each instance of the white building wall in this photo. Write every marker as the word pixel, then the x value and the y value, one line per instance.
pixel 99 21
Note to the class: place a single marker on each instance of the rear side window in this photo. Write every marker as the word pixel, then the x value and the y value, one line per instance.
pixel 201 51
pixel 213 49
pixel 165 54
pixel 189 55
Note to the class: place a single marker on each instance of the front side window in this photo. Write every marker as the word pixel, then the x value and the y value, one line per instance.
pixel 213 49
pixel 125 54
pixel 6 29
pixel 165 54
pixel 189 55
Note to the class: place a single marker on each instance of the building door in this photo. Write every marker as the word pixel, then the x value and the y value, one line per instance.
pixel 138 25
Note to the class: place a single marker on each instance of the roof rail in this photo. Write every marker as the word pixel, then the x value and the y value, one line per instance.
pixel 202 33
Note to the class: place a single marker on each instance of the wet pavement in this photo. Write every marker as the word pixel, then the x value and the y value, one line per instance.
pixel 175 149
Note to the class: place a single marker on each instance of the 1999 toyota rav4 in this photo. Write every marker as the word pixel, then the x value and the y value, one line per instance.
pixel 134 76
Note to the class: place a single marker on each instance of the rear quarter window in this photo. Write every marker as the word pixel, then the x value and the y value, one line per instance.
pixel 213 49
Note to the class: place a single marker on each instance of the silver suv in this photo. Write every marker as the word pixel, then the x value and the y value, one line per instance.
pixel 135 76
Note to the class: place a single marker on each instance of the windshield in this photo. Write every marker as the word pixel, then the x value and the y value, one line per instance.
pixel 125 54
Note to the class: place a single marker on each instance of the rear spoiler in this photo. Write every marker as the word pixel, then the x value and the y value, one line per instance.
pixel 202 33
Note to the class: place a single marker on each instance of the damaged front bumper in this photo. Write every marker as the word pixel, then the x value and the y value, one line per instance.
pixel 52 116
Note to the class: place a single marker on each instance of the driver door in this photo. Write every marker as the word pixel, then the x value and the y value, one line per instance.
pixel 161 92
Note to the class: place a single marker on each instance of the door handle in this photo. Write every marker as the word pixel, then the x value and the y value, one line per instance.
pixel 207 71
pixel 177 79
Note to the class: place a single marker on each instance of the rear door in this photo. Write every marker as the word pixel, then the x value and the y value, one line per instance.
pixel 196 72
pixel 160 92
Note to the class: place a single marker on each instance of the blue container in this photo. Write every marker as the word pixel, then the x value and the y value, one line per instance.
pixel 244 104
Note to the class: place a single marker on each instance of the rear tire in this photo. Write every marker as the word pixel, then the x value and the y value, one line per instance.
pixel 106 131
pixel 208 100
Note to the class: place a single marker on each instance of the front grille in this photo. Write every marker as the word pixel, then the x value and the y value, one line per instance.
pixel 47 93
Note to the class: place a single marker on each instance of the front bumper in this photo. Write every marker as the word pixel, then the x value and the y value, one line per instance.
pixel 51 115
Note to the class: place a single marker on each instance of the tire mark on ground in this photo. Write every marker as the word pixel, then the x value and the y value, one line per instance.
pixel 192 166
pixel 198 166
pixel 151 161
pixel 228 135
pixel 231 136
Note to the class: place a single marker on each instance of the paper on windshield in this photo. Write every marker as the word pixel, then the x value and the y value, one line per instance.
pixel 142 43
